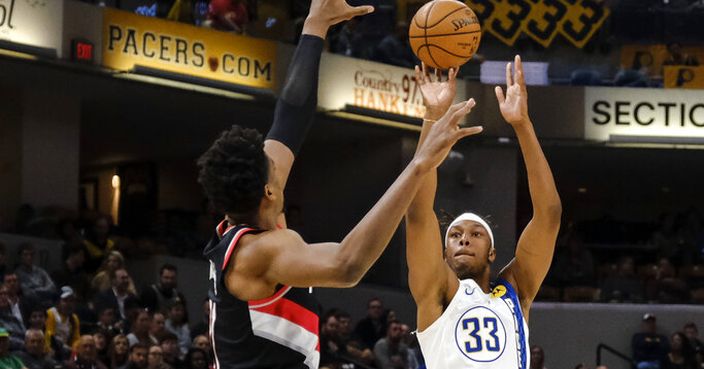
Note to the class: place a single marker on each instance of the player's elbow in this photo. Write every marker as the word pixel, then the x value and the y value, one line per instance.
pixel 349 273
pixel 552 212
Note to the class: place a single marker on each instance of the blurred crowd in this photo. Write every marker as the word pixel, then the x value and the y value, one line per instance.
pixel 615 261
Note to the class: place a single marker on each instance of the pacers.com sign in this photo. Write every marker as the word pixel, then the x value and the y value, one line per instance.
pixel 131 40
pixel 643 112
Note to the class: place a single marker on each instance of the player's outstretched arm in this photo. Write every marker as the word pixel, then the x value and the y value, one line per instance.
pixel 430 279
pixel 296 106
pixel 282 257
pixel 537 242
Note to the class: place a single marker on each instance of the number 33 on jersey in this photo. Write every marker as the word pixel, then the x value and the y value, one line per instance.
pixel 478 330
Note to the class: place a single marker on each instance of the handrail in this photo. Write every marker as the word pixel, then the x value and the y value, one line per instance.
pixel 603 346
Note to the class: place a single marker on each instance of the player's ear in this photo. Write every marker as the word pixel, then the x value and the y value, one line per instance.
pixel 268 193
pixel 492 254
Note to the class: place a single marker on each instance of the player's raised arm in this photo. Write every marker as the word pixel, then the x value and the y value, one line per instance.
pixel 431 281
pixel 537 242
pixel 296 106
pixel 283 257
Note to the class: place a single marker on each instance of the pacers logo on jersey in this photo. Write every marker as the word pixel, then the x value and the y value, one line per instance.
pixel 498 291
pixel 480 335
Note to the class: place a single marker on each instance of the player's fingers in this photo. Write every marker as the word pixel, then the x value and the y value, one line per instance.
pixel 438 75
pixel 419 76
pixel 469 131
pixel 456 107
pixel 509 78
pixel 462 111
pixel 360 10
pixel 452 74
pixel 520 76
pixel 499 94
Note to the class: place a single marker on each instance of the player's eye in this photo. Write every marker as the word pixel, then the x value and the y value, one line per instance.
pixel 455 235
pixel 476 234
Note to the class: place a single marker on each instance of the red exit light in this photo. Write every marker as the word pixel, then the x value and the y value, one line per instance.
pixel 82 51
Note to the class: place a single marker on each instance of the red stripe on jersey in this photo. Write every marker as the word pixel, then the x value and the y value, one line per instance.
pixel 233 244
pixel 223 228
pixel 294 313
pixel 255 304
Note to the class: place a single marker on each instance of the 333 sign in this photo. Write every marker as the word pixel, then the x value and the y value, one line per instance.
pixel 541 20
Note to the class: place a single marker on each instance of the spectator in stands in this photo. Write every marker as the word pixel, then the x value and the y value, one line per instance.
pixel 394 48
pixel 181 11
pixel 354 348
pixel 177 323
pixel 330 345
pixel 677 56
pixel 62 324
pixel 681 355
pixel 371 329
pixel 390 352
pixel 7 360
pixel 159 296
pixel 86 355
pixel 34 281
pixel 102 280
pixel 3 260
pixel 624 286
pixel 692 333
pixel 98 243
pixel 350 41
pixel 649 347
pixel 34 355
pixel 574 267
pixel 537 357
pixel 138 356
pixel 202 342
pixel 102 340
pixel 121 297
pixel 665 237
pixel 72 273
pixel 10 323
pixel 172 354
pixel 158 328
pixel 196 359
pixel 155 360
pixel 202 326
pixel 19 304
pixel 108 323
pixel 140 325
pixel 228 15
pixel 118 352
pixel 666 287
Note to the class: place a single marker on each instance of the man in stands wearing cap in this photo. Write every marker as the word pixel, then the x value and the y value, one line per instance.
pixel 466 319
pixel 649 348
pixel 62 323
pixel 7 360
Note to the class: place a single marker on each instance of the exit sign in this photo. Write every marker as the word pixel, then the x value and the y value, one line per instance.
pixel 82 51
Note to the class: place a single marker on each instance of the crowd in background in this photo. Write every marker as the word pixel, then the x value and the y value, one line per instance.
pixel 89 314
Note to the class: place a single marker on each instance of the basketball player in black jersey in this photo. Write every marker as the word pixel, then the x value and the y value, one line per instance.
pixel 261 313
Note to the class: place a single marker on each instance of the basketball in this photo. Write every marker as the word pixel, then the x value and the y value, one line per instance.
pixel 444 34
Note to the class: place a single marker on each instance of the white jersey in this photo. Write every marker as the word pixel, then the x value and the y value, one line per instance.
pixel 478 331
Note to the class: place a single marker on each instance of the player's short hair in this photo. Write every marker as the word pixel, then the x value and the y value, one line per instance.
pixel 234 171
pixel 169 267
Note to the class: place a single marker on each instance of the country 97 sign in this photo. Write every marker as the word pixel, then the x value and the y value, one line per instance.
pixel 541 20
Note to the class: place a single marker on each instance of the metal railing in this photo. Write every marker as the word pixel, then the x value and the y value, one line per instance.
pixel 620 355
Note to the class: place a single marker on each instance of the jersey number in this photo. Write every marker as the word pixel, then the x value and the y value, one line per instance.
pixel 476 343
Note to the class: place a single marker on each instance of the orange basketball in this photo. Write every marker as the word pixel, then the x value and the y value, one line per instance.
pixel 444 33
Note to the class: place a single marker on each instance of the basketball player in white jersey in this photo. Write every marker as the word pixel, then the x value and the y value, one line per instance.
pixel 466 320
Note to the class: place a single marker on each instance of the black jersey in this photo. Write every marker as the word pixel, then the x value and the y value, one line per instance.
pixel 279 332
